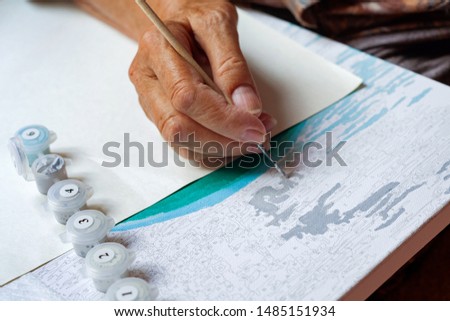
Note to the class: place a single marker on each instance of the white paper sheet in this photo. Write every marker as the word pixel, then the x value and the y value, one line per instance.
pixel 65 70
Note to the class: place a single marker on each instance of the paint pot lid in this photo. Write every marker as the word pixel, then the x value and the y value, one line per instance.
pixel 19 158
pixel 35 138
pixel 108 260
pixel 68 194
pixel 86 227
pixel 131 289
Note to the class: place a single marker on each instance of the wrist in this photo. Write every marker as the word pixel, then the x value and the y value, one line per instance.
pixel 169 9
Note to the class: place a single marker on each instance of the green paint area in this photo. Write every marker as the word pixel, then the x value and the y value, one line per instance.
pixel 217 180
pixel 199 189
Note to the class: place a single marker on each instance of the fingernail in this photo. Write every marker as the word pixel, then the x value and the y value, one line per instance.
pixel 268 121
pixel 251 135
pixel 245 97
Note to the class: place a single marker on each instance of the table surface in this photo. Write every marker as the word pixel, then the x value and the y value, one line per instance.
pixel 248 234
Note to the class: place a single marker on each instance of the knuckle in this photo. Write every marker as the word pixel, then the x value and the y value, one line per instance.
pixel 171 127
pixel 182 96
pixel 133 71
pixel 228 10
pixel 140 71
pixel 152 38
pixel 231 64
pixel 225 12
pixel 149 38
pixel 227 5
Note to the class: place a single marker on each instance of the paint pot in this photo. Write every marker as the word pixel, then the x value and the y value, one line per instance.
pixel 86 229
pixel 107 263
pixel 65 198
pixel 28 144
pixel 131 289
pixel 47 170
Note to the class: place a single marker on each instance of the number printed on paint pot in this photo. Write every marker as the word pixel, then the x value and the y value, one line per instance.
pixel 104 255
pixel 69 190
pixel 83 222
pixel 127 292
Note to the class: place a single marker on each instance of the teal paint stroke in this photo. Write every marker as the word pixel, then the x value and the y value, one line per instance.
pixel 196 205
pixel 419 97
pixel 313 40
pixel 398 102
pixel 205 192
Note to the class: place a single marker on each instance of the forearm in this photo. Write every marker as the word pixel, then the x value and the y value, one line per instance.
pixel 124 15
pixel 127 17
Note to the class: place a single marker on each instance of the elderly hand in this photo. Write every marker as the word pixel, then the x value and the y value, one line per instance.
pixel 175 97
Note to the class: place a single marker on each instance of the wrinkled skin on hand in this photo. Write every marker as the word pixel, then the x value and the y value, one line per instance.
pixel 175 97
